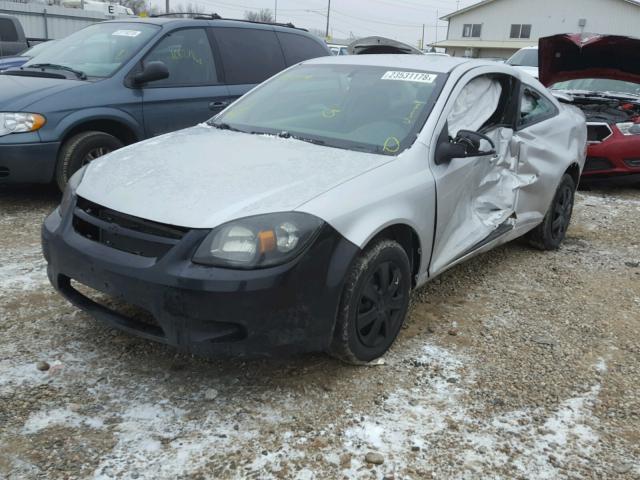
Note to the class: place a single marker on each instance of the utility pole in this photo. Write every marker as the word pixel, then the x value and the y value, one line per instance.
pixel 422 43
pixel 326 35
pixel 167 8
pixel 275 12
pixel 436 25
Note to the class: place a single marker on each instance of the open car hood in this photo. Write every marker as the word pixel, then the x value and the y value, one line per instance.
pixel 370 45
pixel 576 56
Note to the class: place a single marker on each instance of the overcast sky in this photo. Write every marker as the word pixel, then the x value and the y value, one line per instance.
pixel 399 19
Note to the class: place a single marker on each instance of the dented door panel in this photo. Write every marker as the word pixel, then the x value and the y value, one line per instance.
pixel 476 198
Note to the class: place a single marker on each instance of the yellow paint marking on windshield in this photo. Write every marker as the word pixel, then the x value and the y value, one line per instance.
pixel 408 120
pixel 391 145
pixel 330 112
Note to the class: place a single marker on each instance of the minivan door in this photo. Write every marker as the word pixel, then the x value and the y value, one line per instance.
pixel 194 90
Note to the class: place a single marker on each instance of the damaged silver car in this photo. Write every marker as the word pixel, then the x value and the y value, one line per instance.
pixel 300 218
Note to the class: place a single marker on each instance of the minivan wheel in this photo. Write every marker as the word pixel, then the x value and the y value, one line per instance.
pixel 80 150
pixel 553 229
pixel 374 303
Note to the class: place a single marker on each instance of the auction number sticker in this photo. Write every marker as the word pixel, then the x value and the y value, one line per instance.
pixel 410 76
pixel 126 33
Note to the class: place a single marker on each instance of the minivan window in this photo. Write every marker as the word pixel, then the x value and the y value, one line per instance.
pixel 249 55
pixel 8 32
pixel 188 56
pixel 298 48
pixel 356 107
pixel 99 50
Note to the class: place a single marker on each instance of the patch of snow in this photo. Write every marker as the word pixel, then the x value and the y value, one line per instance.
pixel 59 417
pixel 22 270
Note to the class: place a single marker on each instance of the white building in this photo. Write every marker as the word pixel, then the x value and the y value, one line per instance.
pixel 498 28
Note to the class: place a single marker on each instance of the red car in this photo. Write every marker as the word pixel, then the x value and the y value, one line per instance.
pixel 600 74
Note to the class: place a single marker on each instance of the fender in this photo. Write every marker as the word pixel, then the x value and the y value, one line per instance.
pixel 102 113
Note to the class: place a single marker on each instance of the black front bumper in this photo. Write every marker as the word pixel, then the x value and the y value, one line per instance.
pixel 206 310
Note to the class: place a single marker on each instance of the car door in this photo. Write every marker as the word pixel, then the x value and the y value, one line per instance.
pixel 249 56
pixel 193 92
pixel 476 196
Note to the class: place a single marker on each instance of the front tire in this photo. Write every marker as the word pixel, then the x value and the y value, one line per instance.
pixel 553 229
pixel 80 150
pixel 374 303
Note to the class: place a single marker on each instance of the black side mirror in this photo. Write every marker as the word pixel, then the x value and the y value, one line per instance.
pixel 465 145
pixel 151 72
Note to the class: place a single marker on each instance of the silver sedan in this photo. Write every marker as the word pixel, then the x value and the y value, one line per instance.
pixel 300 218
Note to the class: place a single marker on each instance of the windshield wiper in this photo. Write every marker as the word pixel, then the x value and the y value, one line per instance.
pixel 81 75
pixel 225 126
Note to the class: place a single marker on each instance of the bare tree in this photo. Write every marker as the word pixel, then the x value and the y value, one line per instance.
pixel 263 15
pixel 136 5
pixel 188 8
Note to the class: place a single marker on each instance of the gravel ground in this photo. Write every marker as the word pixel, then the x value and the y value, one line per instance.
pixel 517 364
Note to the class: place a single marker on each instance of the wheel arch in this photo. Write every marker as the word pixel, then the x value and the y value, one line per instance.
pixel 114 122
pixel 574 171
pixel 408 238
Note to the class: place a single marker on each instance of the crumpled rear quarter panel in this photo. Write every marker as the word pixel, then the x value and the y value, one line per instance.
pixel 546 152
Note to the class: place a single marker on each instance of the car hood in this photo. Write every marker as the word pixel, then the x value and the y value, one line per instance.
pixel 576 56
pixel 18 92
pixel 380 45
pixel 202 177
pixel 8 62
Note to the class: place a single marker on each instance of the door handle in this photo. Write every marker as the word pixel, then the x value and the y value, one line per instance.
pixel 217 105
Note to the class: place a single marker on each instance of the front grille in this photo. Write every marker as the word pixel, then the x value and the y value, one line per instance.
pixel 597 163
pixel 124 232
pixel 632 162
pixel 598 132
pixel 4 172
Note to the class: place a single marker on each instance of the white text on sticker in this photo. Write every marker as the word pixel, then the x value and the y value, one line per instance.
pixel 126 33
pixel 410 76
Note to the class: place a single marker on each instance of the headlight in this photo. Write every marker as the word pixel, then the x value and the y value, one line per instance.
pixel 260 241
pixel 20 122
pixel 629 128
pixel 70 191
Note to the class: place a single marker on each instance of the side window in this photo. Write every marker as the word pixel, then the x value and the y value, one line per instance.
pixel 8 31
pixel 249 55
pixel 534 107
pixel 188 56
pixel 298 48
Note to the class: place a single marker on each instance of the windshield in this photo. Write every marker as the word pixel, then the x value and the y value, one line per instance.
pixel 37 49
pixel 374 109
pixel 524 58
pixel 599 85
pixel 98 50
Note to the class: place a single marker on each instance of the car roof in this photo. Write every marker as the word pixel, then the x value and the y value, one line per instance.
pixel 430 63
pixel 201 21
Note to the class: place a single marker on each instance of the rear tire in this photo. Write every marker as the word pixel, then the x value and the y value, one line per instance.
pixel 81 149
pixel 374 303
pixel 553 229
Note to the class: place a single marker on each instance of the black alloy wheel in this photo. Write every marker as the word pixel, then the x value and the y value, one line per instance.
pixel 380 306
pixel 553 229
pixel 374 304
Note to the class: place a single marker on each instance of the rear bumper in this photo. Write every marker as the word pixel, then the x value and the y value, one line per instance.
pixel 205 310
pixel 28 162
